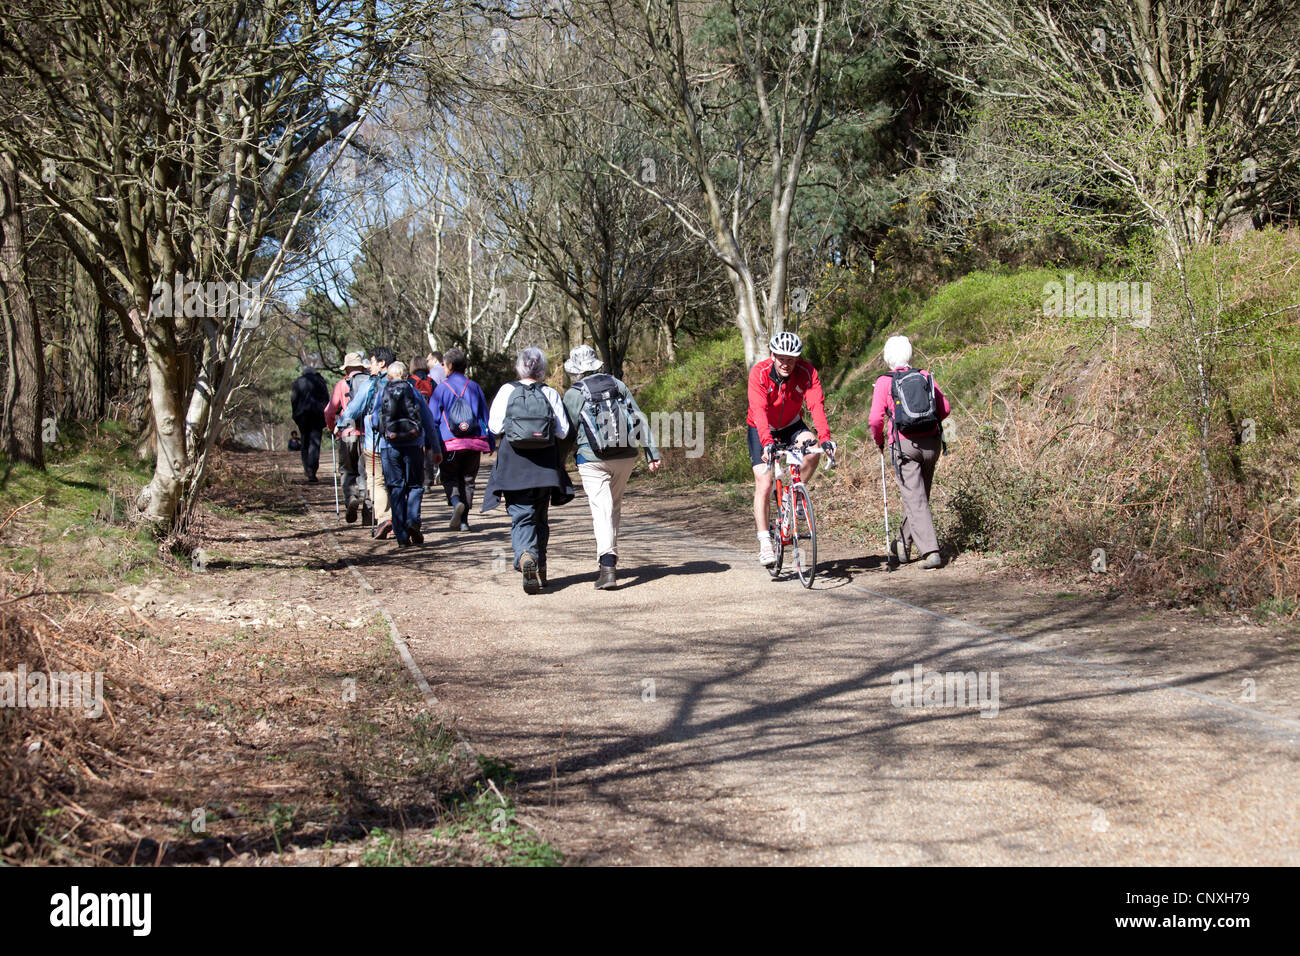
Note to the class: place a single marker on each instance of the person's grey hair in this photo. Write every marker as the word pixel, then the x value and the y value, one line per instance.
pixel 897 351
pixel 531 363
pixel 396 370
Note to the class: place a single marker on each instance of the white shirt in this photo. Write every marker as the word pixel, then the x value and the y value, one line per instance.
pixel 497 413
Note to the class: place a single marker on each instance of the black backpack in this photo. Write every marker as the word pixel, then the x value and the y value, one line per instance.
pixel 606 415
pixel 530 421
pixel 460 418
pixel 399 415
pixel 914 407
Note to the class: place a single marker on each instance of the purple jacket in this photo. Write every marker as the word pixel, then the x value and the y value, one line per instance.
pixel 454 386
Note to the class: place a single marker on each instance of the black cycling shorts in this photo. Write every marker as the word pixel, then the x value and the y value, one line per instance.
pixel 781 435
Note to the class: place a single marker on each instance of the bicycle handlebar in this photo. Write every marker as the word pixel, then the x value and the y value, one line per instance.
pixel 799 450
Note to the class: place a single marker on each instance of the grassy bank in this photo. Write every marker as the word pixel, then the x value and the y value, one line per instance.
pixel 1074 443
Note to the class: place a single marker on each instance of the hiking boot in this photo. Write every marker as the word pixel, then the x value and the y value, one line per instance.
pixel 351 513
pixel 528 567
pixel 541 574
pixel 902 553
pixel 383 528
pixel 605 579
pixel 313 480
pixel 458 514
pixel 417 537
pixel 932 560
pixel 403 544
pixel 766 555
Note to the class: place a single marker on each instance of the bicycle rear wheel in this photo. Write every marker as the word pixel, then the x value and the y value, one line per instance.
pixel 805 536
pixel 774 532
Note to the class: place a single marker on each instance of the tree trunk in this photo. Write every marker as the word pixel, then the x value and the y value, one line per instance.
pixel 160 498
pixel 21 424
pixel 86 354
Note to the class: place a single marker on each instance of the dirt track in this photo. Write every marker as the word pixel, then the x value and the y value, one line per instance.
pixel 703 713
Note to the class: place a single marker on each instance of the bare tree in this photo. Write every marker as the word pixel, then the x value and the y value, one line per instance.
pixel 195 125
pixel 735 94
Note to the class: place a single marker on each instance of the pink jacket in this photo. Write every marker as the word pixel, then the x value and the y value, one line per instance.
pixel 339 401
pixel 882 427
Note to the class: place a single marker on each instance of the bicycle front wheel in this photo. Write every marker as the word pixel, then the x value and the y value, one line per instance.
pixel 774 531
pixel 805 537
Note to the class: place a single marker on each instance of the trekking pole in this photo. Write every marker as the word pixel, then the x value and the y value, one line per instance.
pixel 884 496
pixel 335 460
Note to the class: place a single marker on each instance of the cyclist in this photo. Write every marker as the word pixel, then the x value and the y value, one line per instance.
pixel 778 389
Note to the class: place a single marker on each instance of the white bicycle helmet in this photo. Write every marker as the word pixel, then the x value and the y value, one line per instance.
pixel 786 343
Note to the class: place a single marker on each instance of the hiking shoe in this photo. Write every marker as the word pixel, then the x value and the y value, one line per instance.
pixel 766 555
pixel 541 574
pixel 403 544
pixel 605 581
pixel 313 480
pixel 351 513
pixel 532 581
pixel 383 528
pixel 458 514
pixel 464 526
pixel 417 537
pixel 932 561
pixel 901 551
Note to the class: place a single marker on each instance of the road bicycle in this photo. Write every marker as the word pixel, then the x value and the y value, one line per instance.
pixel 792 523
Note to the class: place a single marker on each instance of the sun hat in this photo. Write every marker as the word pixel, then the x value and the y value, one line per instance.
pixel 353 360
pixel 583 359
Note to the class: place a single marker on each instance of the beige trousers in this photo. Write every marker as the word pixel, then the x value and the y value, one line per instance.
pixel 378 490
pixel 604 482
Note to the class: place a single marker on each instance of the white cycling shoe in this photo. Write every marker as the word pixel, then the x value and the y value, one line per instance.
pixel 766 555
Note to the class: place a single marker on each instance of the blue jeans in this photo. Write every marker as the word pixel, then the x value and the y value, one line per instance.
pixel 530 522
pixel 404 476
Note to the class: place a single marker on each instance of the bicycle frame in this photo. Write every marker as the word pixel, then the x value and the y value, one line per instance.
pixel 786 523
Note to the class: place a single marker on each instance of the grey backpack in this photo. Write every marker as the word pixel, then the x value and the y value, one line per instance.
pixel 530 421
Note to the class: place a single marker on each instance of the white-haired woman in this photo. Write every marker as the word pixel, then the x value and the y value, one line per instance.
pixel 907 408
pixel 529 417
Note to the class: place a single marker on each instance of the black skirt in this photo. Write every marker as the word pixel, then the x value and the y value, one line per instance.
pixel 526 469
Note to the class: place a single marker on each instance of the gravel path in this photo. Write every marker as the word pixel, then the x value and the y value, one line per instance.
pixel 704 714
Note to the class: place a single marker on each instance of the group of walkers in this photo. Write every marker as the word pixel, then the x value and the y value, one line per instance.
pixel 394 426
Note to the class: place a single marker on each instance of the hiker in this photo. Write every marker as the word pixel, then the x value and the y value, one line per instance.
pixel 295 443
pixel 423 379
pixel 420 378
pixel 308 399
pixel 348 432
pixel 364 391
pixel 906 410
pixel 529 416
pixel 438 367
pixel 461 410
pixel 607 427
pixel 404 429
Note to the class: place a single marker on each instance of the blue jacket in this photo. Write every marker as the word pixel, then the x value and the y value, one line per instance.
pixel 357 407
pixel 445 394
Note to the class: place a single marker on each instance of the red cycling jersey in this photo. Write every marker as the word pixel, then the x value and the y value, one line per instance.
pixel 775 405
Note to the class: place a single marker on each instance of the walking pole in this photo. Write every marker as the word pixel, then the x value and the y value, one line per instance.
pixel 335 459
pixel 884 495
